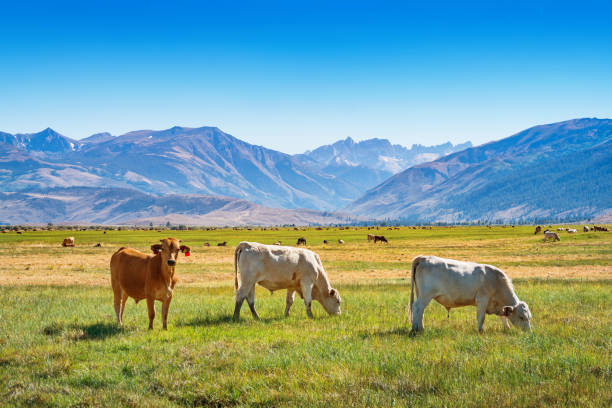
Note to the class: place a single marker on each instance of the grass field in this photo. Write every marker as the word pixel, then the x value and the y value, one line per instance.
pixel 60 346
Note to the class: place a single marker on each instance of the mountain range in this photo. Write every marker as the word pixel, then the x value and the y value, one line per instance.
pixel 183 160
pixel 204 175
pixel 561 170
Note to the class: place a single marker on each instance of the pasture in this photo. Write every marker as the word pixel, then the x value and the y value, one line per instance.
pixel 60 346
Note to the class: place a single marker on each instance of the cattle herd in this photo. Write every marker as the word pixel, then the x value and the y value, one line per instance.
pixel 299 270
pixel 548 234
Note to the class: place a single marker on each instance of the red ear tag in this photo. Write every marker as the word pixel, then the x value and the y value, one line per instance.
pixel 187 253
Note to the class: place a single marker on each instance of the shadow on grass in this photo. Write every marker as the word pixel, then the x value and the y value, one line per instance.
pixel 400 331
pixel 205 321
pixel 94 331
pixel 222 319
pixel 404 331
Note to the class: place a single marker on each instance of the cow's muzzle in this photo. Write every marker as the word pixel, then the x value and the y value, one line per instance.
pixel 171 262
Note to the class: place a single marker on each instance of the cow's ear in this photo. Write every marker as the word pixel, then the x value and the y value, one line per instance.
pixel 185 249
pixel 508 310
pixel 156 248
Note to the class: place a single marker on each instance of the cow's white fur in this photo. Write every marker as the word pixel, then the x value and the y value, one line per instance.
pixel 281 267
pixel 455 283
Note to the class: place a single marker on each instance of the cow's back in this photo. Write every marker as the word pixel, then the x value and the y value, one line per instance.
pixel 275 265
pixel 455 281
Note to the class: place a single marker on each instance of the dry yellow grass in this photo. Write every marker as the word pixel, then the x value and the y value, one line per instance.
pixel 48 264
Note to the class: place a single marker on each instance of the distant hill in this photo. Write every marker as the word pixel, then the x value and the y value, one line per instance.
pixel 561 170
pixel 116 206
pixel 204 161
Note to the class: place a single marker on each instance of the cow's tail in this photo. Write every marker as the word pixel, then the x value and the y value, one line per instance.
pixel 415 263
pixel 237 252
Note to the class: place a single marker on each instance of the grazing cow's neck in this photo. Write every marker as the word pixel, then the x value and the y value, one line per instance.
pixel 506 292
pixel 322 282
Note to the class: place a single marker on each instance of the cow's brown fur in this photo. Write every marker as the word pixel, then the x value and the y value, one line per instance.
pixel 142 276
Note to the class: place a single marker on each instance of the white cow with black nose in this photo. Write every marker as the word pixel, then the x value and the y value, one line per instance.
pixel 455 283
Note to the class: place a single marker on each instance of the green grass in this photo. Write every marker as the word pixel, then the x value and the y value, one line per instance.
pixel 59 346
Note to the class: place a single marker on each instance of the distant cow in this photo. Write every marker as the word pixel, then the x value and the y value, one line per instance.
pixel 551 235
pixel 98 245
pixel 598 228
pixel 341 241
pixel 142 276
pixel 224 243
pixel 455 283
pixel 301 241
pixel 206 244
pixel 278 243
pixel 68 242
pixel 585 228
pixel 370 237
pixel 380 238
pixel 295 269
pixel 559 229
pixel 571 231
pixel 537 230
pixel 325 241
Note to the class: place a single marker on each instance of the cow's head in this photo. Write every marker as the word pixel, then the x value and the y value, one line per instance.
pixel 330 301
pixel 169 249
pixel 519 315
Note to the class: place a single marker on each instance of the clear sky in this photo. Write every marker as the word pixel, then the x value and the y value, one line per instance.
pixel 292 75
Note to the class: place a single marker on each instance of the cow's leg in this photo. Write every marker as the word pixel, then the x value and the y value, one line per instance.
pixel 165 308
pixel 241 294
pixel 117 303
pixel 307 295
pixel 481 311
pixel 151 307
pixel 505 322
pixel 251 302
pixel 124 298
pixel 290 297
pixel 418 312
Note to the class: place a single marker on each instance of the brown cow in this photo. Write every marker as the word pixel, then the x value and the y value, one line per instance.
pixel 68 242
pixel 224 243
pixel 301 241
pixel 370 237
pixel 141 276
pixel 380 238
pixel 537 230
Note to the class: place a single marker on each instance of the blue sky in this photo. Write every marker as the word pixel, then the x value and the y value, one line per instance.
pixel 295 75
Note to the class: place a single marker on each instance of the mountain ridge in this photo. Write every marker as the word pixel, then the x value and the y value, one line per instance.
pixel 428 191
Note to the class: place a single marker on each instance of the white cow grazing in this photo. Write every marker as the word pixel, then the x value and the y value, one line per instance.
pixel 280 267
pixel 455 283
pixel 551 235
